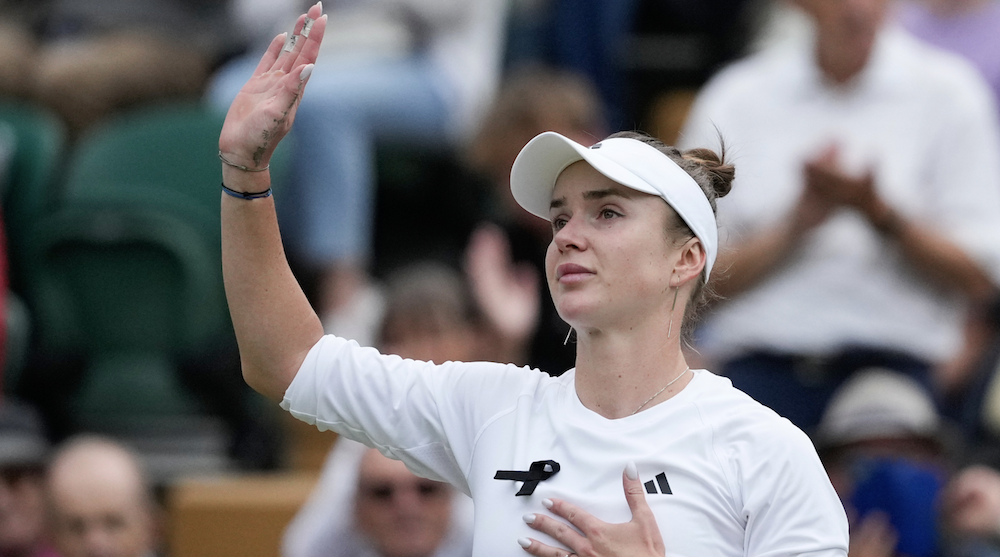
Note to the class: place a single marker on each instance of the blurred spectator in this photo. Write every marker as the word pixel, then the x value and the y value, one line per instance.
pixel 890 456
pixel 881 442
pixel 969 28
pixel 430 315
pixel 411 72
pixel 87 58
pixel 101 504
pixel 857 233
pixel 366 505
pixel 20 21
pixel 504 256
pixel 23 453
pixel 590 37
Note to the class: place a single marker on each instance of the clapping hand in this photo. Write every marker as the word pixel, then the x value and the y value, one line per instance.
pixel 592 537
pixel 829 186
pixel 971 502
pixel 263 111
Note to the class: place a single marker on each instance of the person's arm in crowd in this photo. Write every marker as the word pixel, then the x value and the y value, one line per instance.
pixel 939 260
pixel 826 187
pixel 744 265
pixel 274 323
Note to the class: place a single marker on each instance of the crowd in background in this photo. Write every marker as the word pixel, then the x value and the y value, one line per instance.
pixel 858 291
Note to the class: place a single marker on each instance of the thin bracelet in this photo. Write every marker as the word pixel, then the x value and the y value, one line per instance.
pixel 241 167
pixel 245 194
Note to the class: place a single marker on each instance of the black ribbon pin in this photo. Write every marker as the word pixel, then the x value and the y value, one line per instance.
pixel 539 471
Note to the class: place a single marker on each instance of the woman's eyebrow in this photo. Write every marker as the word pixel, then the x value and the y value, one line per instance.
pixel 608 192
pixel 624 193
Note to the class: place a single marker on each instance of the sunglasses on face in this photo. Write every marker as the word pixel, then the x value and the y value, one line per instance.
pixel 385 492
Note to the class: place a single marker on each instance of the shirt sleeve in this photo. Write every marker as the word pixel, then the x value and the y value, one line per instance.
pixel 426 415
pixel 787 499
pixel 964 172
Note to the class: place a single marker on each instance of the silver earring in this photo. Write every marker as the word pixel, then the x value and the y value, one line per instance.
pixel 568 333
pixel 670 327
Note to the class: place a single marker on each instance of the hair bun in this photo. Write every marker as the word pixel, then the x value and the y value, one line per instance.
pixel 720 173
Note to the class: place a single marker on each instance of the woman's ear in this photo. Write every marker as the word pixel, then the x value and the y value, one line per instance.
pixel 691 262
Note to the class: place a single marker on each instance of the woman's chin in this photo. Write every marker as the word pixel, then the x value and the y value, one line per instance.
pixel 577 313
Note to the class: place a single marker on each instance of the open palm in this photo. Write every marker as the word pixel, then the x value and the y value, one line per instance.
pixel 263 111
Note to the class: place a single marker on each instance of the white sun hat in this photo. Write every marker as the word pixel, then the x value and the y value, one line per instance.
pixel 629 162
pixel 878 403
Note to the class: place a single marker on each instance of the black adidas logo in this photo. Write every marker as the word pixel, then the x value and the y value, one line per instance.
pixel 661 480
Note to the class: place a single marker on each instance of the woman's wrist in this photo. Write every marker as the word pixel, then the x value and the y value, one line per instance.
pixel 230 160
pixel 251 183
pixel 886 220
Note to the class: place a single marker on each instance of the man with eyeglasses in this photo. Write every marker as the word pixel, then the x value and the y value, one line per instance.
pixel 367 505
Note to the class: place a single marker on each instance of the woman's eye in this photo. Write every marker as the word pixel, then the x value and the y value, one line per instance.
pixel 558 223
pixel 608 214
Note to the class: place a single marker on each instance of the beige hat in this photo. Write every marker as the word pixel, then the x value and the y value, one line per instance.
pixel 878 403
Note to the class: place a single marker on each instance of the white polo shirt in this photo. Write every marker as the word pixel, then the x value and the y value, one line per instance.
pixel 924 121
pixel 725 476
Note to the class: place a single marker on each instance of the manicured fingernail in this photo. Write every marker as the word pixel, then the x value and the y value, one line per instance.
pixel 320 4
pixel 547 503
pixel 528 518
pixel 306 72
pixel 631 472
pixel 523 542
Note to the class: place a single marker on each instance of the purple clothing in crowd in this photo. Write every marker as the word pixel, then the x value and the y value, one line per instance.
pixel 973 34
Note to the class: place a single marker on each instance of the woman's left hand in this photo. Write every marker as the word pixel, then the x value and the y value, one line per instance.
pixel 638 538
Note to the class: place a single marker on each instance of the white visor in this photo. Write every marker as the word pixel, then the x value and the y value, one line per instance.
pixel 629 162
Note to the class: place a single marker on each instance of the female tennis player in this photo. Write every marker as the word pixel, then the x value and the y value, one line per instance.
pixel 707 471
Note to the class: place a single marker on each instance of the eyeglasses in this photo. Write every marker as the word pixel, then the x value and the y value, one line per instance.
pixel 386 492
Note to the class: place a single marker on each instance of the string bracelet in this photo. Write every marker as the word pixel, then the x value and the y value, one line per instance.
pixel 246 194
pixel 241 167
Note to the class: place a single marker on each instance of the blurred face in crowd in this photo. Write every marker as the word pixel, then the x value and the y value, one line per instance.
pixel 438 343
pixel 99 505
pixel 847 28
pixel 22 510
pixel 400 514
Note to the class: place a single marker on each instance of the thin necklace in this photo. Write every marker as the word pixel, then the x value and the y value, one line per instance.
pixel 672 381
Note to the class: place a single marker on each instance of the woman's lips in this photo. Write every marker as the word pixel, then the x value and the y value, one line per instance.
pixel 571 272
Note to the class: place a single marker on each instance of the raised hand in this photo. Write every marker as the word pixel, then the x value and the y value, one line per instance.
pixel 639 537
pixel 507 293
pixel 263 111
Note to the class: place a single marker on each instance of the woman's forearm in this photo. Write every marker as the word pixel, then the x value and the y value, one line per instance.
pixel 274 323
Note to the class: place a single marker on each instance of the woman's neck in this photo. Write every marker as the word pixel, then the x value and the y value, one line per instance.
pixel 617 371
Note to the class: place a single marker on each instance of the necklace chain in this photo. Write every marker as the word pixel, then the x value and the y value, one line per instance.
pixel 672 381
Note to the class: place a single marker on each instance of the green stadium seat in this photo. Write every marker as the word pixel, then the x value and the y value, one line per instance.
pixel 126 271
pixel 30 188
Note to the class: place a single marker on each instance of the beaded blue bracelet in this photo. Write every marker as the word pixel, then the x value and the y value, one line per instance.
pixel 246 195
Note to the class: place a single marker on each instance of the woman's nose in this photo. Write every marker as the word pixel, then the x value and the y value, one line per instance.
pixel 571 235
